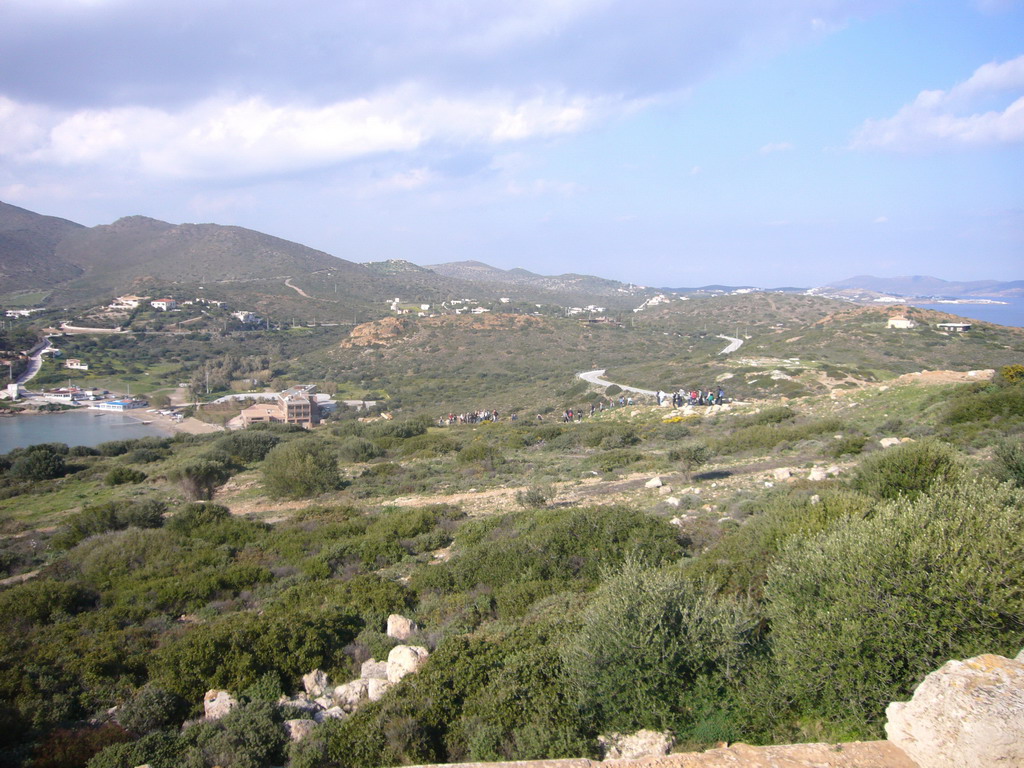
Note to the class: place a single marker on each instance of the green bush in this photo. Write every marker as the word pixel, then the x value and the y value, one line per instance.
pixel 355 448
pixel 908 468
pixel 39 462
pixel 480 451
pixel 200 477
pixel 197 514
pixel 651 640
pixel 300 469
pixel 1010 462
pixel 862 612
pixel 151 708
pixel 123 475
pixel 248 446
pixel 109 516
pixel 40 600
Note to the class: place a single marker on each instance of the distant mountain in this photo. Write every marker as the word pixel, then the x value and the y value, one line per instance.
pixel 572 288
pixel 28 242
pixel 925 286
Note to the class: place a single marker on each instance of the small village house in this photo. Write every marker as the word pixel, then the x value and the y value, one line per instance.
pixel 297 405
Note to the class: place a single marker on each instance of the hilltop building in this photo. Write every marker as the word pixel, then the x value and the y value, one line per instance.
pixel 900 321
pixel 297 405
pixel 164 305
pixel 76 364
pixel 954 327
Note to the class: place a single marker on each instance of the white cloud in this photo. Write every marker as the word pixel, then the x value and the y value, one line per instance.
pixel 237 138
pixel 953 118
pixel 781 146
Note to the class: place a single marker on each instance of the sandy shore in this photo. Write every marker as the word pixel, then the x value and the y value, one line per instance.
pixel 190 425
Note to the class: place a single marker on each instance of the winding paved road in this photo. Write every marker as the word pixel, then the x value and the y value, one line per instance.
pixel 734 344
pixel 596 377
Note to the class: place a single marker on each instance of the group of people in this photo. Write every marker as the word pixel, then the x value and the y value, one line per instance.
pixel 679 398
pixel 471 417
pixel 694 397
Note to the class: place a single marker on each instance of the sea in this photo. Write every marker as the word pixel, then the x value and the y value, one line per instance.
pixel 81 427
pixel 1011 313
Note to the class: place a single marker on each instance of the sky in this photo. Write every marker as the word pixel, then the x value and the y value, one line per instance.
pixel 664 143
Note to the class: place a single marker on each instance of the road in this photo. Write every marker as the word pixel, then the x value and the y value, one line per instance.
pixel 595 377
pixel 734 344
pixel 35 362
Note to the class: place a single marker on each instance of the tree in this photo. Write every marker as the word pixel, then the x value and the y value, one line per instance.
pixel 300 469
pixel 693 455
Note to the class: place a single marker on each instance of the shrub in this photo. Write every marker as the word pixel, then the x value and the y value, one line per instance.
pixel 908 468
pixel 248 446
pixel 300 469
pixel 862 612
pixel 72 747
pixel 1010 462
pixel 693 455
pixel 161 749
pixel 647 641
pixel 109 516
pixel 123 475
pixel 355 448
pixel 200 478
pixel 40 600
pixel 480 451
pixel 535 497
pixel 196 514
pixel 151 708
pixel 39 462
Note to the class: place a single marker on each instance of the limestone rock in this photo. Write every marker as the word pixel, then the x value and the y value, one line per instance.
pixel 299 729
pixel 654 482
pixel 315 683
pixel 966 714
pixel 374 669
pixel 324 702
pixel 404 659
pixel 400 627
pixel 334 713
pixel 620 746
pixel 888 442
pixel 216 704
pixel 782 473
pixel 301 702
pixel 349 695
pixel 672 501
pixel 817 474
pixel 376 688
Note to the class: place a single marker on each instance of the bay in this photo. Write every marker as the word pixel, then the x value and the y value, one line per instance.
pixel 81 427
pixel 1011 313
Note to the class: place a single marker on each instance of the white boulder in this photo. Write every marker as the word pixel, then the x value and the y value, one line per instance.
pixel 654 482
pixel 349 695
pixel 315 683
pixel 400 627
pixel 217 703
pixel 374 669
pixel 405 659
pixel 633 746
pixel 966 714
pixel 376 688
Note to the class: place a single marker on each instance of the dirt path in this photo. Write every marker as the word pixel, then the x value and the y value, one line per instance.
pixel 296 288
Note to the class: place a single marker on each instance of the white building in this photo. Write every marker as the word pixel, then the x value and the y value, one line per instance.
pixel 164 305
pixel 76 364
pixel 899 321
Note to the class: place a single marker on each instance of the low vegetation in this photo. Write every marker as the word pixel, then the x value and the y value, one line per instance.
pixel 561 594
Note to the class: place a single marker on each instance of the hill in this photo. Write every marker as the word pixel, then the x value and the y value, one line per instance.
pixel 28 243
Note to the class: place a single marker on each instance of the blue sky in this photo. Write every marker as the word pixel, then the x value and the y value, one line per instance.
pixel 765 142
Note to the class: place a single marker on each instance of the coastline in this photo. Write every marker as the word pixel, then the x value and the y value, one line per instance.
pixel 191 426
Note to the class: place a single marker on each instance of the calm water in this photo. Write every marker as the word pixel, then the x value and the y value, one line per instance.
pixel 1011 313
pixel 83 427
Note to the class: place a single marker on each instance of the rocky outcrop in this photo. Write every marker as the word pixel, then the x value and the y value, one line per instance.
pixel 966 714
pixel 315 683
pixel 401 628
pixel 299 729
pixel 644 743
pixel 218 703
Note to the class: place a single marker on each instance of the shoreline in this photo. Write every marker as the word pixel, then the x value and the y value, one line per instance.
pixel 190 426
